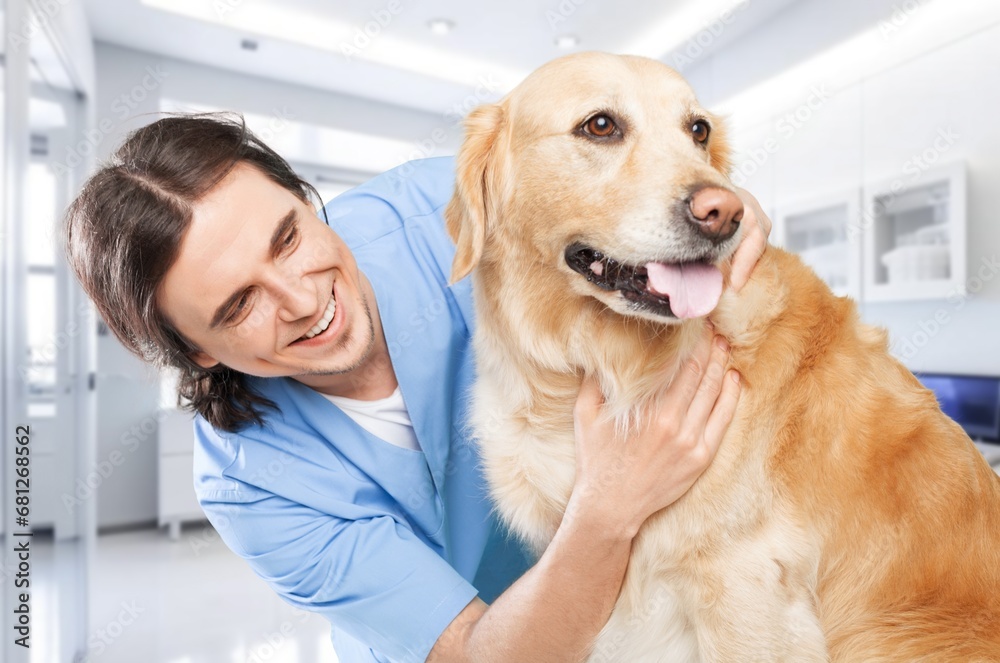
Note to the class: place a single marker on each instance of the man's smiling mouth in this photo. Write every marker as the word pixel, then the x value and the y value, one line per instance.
pixel 324 321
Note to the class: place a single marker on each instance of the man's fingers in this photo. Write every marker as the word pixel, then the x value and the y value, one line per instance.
pixel 590 398
pixel 757 227
pixel 682 390
pixel 711 385
pixel 722 413
pixel 752 205
pixel 751 248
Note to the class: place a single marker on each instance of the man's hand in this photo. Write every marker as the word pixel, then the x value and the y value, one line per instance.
pixel 623 478
pixel 756 229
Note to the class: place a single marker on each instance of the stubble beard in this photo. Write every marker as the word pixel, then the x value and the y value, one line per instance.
pixel 348 339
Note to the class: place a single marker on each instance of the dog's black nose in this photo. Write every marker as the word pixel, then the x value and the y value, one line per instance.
pixel 715 212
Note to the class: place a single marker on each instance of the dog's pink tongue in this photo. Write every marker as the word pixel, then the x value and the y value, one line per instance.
pixel 693 288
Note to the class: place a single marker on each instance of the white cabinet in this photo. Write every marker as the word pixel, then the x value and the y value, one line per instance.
pixel 915 232
pixel 177 502
pixel 907 240
pixel 817 229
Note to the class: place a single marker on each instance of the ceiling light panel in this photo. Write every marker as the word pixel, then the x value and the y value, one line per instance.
pixel 370 41
pixel 680 23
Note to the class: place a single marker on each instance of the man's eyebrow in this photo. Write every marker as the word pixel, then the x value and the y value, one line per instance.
pixel 284 225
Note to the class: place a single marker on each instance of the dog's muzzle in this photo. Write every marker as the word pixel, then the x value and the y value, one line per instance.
pixel 683 290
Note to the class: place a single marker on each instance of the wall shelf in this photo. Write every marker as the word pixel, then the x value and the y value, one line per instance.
pixel 915 236
pixel 817 228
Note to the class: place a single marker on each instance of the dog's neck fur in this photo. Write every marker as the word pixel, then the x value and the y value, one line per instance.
pixel 776 331
pixel 552 342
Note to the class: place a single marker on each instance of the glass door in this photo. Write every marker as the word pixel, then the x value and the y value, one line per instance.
pixel 46 334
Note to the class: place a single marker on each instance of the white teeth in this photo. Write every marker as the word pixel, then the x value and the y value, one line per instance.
pixel 324 322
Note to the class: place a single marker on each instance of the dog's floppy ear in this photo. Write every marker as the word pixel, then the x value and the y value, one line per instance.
pixel 718 146
pixel 474 204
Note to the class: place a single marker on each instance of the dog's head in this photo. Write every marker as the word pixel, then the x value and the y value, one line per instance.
pixel 603 176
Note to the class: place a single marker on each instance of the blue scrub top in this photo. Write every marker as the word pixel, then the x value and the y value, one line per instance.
pixel 387 543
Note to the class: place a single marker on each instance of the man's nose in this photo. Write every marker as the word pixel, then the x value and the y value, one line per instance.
pixel 296 300
pixel 715 212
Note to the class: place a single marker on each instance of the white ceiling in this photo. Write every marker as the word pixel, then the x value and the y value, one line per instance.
pixel 406 64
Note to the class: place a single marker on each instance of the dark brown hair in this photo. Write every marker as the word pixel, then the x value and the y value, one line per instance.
pixel 124 230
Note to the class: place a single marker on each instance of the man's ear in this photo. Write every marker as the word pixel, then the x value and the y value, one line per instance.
pixel 718 145
pixel 202 359
pixel 474 205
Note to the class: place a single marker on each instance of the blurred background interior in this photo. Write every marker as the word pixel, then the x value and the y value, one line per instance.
pixel 866 128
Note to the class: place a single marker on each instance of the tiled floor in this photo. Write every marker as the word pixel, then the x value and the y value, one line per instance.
pixel 188 601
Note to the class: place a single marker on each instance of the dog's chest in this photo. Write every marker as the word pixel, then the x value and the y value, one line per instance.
pixel 527 447
pixel 725 544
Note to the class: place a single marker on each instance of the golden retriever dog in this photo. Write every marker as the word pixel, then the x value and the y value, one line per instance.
pixel 844 517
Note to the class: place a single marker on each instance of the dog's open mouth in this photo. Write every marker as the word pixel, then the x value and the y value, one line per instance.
pixel 682 290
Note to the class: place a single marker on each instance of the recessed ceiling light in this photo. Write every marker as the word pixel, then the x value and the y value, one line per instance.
pixel 441 26
pixel 567 41
pixel 249 44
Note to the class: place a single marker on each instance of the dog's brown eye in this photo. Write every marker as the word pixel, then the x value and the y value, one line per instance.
pixel 600 126
pixel 700 131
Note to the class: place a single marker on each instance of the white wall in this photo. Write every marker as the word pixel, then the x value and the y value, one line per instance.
pixel 130 85
pixel 956 88
pixel 790 36
pixel 872 130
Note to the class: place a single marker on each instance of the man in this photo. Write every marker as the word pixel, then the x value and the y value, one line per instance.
pixel 329 368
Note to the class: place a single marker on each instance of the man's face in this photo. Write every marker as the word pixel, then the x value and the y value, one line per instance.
pixel 257 271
